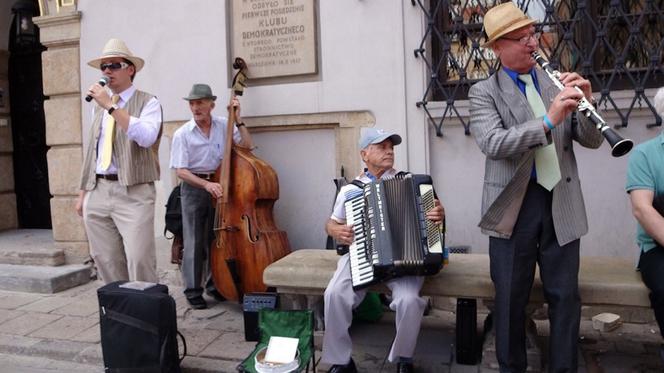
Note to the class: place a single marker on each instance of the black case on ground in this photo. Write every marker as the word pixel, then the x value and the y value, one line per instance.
pixel 467 348
pixel 138 329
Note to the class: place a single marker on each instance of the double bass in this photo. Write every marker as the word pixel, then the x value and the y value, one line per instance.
pixel 246 237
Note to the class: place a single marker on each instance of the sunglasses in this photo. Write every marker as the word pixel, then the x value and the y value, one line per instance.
pixel 113 66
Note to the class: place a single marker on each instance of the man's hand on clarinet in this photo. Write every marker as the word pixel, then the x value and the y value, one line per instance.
pixel 437 213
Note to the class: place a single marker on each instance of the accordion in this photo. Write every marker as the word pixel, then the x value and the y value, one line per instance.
pixel 392 236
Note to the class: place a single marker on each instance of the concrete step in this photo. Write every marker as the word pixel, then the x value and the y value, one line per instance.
pixel 30 247
pixel 42 279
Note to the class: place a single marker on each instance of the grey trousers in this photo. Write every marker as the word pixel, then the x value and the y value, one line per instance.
pixel 197 220
pixel 513 263
pixel 341 299
pixel 119 221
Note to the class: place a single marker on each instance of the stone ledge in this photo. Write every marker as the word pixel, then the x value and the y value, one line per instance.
pixel 33 256
pixel 602 280
pixel 40 279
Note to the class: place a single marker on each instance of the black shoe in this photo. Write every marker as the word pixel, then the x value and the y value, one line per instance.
pixel 214 293
pixel 348 368
pixel 405 368
pixel 197 303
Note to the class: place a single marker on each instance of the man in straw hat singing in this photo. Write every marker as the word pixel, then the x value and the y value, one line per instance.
pixel 119 169
pixel 197 150
pixel 532 205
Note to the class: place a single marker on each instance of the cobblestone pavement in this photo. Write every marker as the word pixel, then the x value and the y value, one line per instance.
pixel 60 333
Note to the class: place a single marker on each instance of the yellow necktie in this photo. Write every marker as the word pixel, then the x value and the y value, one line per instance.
pixel 109 131
pixel 546 159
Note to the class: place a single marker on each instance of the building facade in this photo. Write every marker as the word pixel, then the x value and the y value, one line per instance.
pixel 366 72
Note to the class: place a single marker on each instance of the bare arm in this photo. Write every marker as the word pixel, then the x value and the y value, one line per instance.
pixel 342 233
pixel 211 187
pixel 651 221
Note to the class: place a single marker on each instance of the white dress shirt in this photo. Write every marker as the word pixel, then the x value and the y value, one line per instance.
pixel 142 130
pixel 198 153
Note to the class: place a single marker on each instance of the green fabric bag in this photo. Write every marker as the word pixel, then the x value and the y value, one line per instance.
pixel 294 324
pixel 370 310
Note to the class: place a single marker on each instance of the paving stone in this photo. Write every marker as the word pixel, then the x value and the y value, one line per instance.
pixel 64 328
pixel 46 304
pixel 228 322
pixel 31 364
pixel 91 334
pixel 89 289
pixel 27 323
pixel 81 307
pixel 58 349
pixel 198 339
pixel 8 315
pixel 91 355
pixel 16 343
pixel 10 300
pixel 195 364
pixel 229 346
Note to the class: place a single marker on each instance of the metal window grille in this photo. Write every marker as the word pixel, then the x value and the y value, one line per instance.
pixel 616 44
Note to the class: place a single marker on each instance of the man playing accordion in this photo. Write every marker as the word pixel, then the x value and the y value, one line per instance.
pixel 377 152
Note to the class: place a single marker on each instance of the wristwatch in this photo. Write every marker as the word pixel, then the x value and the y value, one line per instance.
pixel 113 108
pixel 238 125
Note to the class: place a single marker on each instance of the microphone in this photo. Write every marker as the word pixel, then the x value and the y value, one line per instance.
pixel 102 82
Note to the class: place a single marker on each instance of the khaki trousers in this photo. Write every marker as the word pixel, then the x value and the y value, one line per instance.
pixel 341 299
pixel 119 221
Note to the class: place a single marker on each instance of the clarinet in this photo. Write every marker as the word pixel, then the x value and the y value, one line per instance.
pixel 619 145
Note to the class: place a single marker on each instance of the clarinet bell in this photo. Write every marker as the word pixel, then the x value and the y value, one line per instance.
pixel 619 145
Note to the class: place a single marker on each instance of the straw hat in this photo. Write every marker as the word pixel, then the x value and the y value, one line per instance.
pixel 199 91
pixel 503 19
pixel 117 48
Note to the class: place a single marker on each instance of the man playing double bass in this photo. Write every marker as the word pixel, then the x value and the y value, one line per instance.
pixel 377 151
pixel 197 151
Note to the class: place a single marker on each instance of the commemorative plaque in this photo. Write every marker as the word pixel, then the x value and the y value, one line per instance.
pixel 275 37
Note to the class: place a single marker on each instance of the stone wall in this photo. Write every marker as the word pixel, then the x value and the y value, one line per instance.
pixel 8 217
pixel 60 34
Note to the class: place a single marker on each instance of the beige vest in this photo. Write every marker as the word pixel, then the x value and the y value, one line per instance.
pixel 135 164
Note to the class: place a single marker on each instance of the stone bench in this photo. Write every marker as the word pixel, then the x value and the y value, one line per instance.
pixel 602 280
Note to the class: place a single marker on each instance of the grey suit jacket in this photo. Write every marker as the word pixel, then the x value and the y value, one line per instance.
pixel 508 133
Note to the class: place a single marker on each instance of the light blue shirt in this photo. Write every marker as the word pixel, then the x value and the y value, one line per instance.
pixel 646 171
pixel 192 150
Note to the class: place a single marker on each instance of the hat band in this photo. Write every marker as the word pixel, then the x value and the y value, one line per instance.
pixel 501 29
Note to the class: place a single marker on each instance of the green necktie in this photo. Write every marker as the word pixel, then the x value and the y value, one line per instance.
pixel 546 160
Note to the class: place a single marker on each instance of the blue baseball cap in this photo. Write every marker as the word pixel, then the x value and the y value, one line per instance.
pixel 376 136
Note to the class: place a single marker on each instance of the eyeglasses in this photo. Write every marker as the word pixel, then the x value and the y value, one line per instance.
pixel 525 39
pixel 114 66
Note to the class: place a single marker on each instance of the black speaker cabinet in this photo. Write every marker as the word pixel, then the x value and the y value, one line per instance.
pixel 251 304
pixel 467 348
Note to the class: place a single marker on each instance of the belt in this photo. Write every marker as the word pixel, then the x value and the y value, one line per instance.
pixel 112 177
pixel 204 176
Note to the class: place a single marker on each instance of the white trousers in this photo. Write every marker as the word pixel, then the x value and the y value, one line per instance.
pixel 341 299
pixel 119 221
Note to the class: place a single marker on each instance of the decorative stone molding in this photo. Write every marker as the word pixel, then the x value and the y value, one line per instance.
pixel 54 7
pixel 346 125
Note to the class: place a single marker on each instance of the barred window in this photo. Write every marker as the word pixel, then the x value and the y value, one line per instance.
pixel 616 44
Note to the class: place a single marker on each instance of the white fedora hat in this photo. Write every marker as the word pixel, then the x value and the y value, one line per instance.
pixel 117 48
